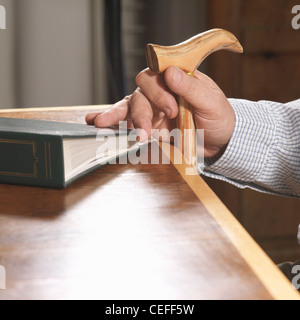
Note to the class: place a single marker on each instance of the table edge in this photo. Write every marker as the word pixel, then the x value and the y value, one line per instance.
pixel 259 262
pixel 264 268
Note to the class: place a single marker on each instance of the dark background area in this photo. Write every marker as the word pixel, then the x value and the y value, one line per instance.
pixel 268 70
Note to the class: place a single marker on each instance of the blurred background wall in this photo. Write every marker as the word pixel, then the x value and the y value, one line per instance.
pixel 7 58
pixel 166 22
pixel 46 53
pixel 53 53
pixel 268 70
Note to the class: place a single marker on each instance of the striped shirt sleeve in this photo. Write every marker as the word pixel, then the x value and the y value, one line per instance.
pixel 264 151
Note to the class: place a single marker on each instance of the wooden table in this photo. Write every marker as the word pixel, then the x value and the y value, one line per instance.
pixel 128 232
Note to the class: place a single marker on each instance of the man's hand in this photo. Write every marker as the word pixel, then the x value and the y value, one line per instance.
pixel 153 106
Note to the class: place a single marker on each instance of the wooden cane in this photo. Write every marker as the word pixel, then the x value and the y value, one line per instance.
pixel 188 56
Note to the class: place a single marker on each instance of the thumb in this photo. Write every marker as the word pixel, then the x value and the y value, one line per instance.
pixel 192 89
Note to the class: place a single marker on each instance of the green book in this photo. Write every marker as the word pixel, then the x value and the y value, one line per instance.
pixel 54 154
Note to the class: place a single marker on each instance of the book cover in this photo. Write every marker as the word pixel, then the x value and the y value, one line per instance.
pixel 32 152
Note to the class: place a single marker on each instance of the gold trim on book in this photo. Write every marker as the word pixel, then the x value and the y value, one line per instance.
pixel 36 159
pixel 48 160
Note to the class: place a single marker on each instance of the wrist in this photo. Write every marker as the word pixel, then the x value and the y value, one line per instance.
pixel 213 155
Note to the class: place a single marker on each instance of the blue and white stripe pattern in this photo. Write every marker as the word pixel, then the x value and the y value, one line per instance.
pixel 264 151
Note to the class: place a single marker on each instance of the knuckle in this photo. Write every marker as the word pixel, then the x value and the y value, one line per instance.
pixel 134 98
pixel 140 78
pixel 127 98
pixel 158 100
pixel 162 101
pixel 139 105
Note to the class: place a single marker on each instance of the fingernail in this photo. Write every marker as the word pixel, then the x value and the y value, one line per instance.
pixel 167 112
pixel 177 76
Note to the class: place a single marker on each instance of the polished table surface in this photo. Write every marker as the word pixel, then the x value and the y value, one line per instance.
pixel 128 232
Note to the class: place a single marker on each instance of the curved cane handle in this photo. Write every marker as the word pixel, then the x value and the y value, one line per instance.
pixel 188 56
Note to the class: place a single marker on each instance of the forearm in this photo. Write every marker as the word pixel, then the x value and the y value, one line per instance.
pixel 264 151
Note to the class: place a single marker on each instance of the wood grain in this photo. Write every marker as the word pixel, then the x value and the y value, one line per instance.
pixel 260 263
pixel 187 136
pixel 188 56
pixel 270 32
pixel 125 232
pixel 223 67
pixel 268 70
pixel 271 77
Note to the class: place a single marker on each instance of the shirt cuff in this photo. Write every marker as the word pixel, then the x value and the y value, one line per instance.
pixel 250 146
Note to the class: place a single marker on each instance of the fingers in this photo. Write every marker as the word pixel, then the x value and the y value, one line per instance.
pixel 117 113
pixel 152 105
pixel 141 114
pixel 135 109
pixel 153 87
pixel 90 118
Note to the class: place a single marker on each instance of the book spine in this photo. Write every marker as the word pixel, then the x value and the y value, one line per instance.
pixel 34 160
